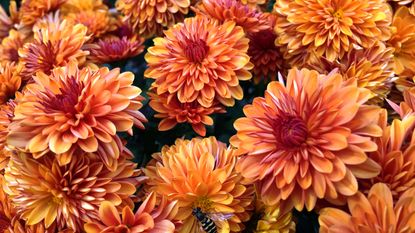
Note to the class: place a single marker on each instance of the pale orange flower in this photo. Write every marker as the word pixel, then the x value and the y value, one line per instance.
pixel 200 60
pixel 308 140
pixel 10 46
pixel 150 17
pixel 201 173
pixel 230 10
pixel 149 218
pixel 374 213
pixel 330 28
pixel 10 81
pixel 77 109
pixel 68 195
pixel 32 10
pixel 172 112
pixel 55 44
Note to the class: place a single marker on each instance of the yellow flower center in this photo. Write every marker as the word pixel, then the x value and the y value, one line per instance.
pixel 338 14
pixel 204 203
pixel 57 200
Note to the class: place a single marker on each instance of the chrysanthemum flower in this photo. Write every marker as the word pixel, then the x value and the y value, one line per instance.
pixel 149 218
pixel 265 55
pixel 172 112
pixel 307 140
pixel 82 5
pixel 403 40
pixel 330 28
pixel 32 10
pixel 150 17
pixel 201 173
pixel 6 209
pixel 407 106
pixel 372 67
pixel 374 213
pixel 6 116
pixel 230 10
pixel 113 48
pixel 68 195
pixel 77 109
pixel 200 60
pixel 98 22
pixel 10 46
pixel 273 218
pixel 10 81
pixel 5 23
pixel 55 44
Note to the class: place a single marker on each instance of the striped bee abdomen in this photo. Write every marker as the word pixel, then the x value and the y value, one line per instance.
pixel 208 225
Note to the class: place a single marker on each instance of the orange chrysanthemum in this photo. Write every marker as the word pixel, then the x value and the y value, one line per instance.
pixel 55 44
pixel 7 211
pixel 331 28
pixel 10 81
pixel 113 48
pixel 172 112
pixel 33 10
pixel 230 10
pixel 403 40
pixel 69 195
pixel 77 109
pixel 149 218
pixel 201 173
pixel 372 67
pixel 307 140
pixel 150 17
pixel 273 219
pixel 200 60
pixel 6 116
pixel 374 213
pixel 10 46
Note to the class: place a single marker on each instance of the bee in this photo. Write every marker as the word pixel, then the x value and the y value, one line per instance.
pixel 207 220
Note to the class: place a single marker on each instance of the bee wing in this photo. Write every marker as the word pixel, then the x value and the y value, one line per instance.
pixel 217 217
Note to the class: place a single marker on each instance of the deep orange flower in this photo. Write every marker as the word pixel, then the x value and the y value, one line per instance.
pixel 230 10
pixel 10 46
pixel 374 213
pixel 172 112
pixel 68 195
pixel 200 60
pixel 372 67
pixel 113 48
pixel 403 40
pixel 32 10
pixel 150 17
pixel 77 109
pixel 10 81
pixel 6 116
pixel 55 44
pixel 82 5
pixel 307 140
pixel 149 218
pixel 330 28
pixel 201 173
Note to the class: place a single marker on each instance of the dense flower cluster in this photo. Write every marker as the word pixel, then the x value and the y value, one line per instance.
pixel 218 116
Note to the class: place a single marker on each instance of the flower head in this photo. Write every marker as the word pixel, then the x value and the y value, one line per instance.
pixel 330 28
pixel 10 46
pixel 308 139
pixel 200 60
pixel 149 218
pixel 201 174
pixel 5 23
pixel 75 109
pixel 6 116
pixel 10 81
pixel 33 10
pixel 374 213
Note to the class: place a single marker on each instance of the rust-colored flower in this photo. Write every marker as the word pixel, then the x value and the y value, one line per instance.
pixel 275 218
pixel 10 46
pixel 330 28
pixel 372 67
pixel 33 10
pixel 172 112
pixel 230 10
pixel 10 81
pixel 374 213
pixel 68 195
pixel 113 48
pixel 149 218
pixel 403 40
pixel 150 17
pixel 201 173
pixel 200 60
pixel 77 109
pixel 308 140
pixel 6 116
pixel 55 44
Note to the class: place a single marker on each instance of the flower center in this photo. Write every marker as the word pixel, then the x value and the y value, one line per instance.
pixel 203 203
pixel 264 39
pixel 290 131
pixel 4 224
pixel 338 14
pixel 196 50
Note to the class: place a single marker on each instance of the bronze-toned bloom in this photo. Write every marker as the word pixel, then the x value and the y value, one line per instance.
pixel 375 213
pixel 32 10
pixel 331 28
pixel 77 109
pixel 150 17
pixel 230 10
pixel 200 60
pixel 200 173
pixel 308 140
pixel 55 44
pixel 10 81
pixel 6 116
pixel 172 112
pixel 113 48
pixel 69 195
pixel 149 218
pixel 10 46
